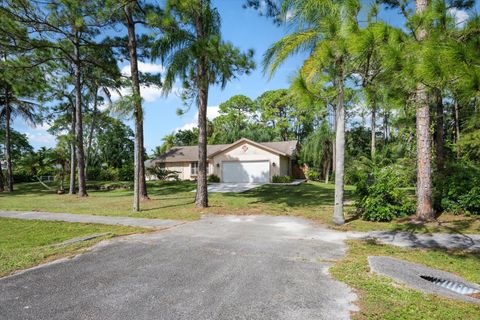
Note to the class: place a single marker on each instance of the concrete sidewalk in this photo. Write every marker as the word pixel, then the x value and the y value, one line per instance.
pixel 83 218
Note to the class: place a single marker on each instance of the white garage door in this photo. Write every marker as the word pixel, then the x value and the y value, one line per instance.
pixel 246 171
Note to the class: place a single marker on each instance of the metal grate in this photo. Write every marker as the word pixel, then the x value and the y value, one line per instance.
pixel 451 285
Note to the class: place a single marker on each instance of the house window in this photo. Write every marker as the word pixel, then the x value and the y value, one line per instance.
pixel 194 168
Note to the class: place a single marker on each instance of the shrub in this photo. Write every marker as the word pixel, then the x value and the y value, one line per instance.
pixel 108 174
pixel 462 189
pixel 126 172
pixel 381 196
pixel 281 179
pixel 20 175
pixel 312 174
pixel 213 178
pixel 163 174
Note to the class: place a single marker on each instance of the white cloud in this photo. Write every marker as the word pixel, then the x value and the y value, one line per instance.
pixel 144 67
pixel 212 113
pixel 42 138
pixel 461 16
pixel 148 93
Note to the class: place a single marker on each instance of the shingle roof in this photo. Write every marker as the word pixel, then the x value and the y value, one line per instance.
pixel 190 153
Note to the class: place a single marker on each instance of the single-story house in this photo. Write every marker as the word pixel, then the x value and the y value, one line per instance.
pixel 242 161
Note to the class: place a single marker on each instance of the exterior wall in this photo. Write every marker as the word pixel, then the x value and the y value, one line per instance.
pixel 247 152
pixel 285 169
pixel 183 168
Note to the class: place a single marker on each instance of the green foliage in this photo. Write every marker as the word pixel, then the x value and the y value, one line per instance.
pixel 282 179
pixel 213 178
pixel 381 197
pixel 462 194
pixel 312 174
pixel 316 150
pixel 163 174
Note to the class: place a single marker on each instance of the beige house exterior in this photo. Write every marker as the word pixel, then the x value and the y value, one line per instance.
pixel 243 161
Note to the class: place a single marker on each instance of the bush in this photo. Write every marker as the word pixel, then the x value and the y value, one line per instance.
pixel 381 196
pixel 312 174
pixel 281 179
pixel 213 178
pixel 126 172
pixel 20 175
pixel 461 194
pixel 163 174
pixel 108 174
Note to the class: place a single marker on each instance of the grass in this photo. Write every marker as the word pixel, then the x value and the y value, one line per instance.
pixel 382 298
pixel 26 243
pixel 174 200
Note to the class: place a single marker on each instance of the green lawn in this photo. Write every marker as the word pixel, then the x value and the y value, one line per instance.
pixel 382 298
pixel 174 200
pixel 25 243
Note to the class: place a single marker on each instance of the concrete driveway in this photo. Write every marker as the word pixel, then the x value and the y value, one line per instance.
pixel 231 267
pixel 232 187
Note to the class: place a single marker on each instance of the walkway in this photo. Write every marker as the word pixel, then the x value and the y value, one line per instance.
pixel 83 218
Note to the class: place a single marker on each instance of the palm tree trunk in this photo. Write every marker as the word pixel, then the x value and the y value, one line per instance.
pixel 327 170
pixel 8 148
pixel 334 129
pixel 138 112
pixel 338 217
pixel 2 185
pixel 142 177
pixel 82 187
pixel 73 150
pixel 202 189
pixel 425 210
pixel 373 128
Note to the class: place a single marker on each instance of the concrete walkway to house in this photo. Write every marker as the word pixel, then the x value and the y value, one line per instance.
pixel 83 218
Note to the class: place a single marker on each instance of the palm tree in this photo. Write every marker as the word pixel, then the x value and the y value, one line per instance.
pixel 190 44
pixel 322 28
pixel 11 107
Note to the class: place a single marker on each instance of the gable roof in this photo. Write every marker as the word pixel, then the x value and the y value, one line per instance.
pixel 190 153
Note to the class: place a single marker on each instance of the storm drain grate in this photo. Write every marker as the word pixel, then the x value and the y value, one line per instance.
pixel 451 285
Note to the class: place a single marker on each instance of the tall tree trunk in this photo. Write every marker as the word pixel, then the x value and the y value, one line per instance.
pixel 338 217
pixel 201 200
pixel 425 210
pixel 2 185
pixel 73 151
pixel 202 188
pixel 334 151
pixel 82 187
pixel 138 111
pixel 386 132
pixel 457 127
pixel 92 127
pixel 327 170
pixel 439 133
pixel 373 128
pixel 142 177
pixel 8 146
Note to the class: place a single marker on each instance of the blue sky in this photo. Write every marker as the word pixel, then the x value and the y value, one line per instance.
pixel 245 29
